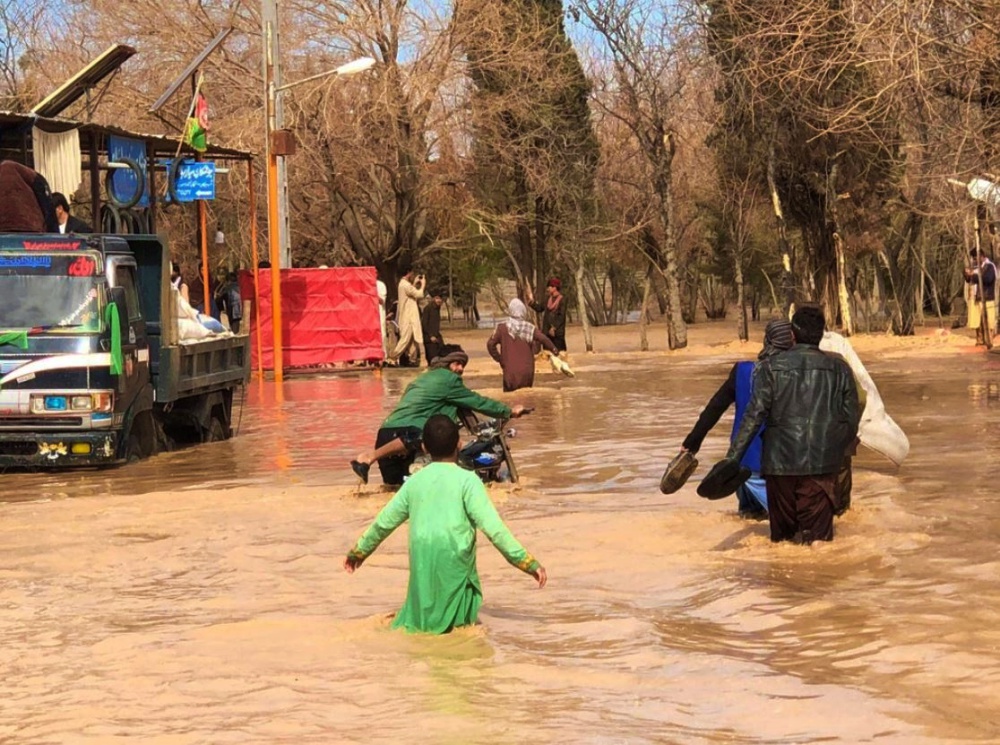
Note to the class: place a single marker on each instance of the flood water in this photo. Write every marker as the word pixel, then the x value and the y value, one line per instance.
pixel 198 597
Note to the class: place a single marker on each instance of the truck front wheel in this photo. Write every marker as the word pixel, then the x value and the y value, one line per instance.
pixel 133 449
pixel 141 440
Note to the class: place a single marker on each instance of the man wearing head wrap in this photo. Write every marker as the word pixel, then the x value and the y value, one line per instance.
pixel 737 390
pixel 516 339
pixel 553 312
pixel 439 390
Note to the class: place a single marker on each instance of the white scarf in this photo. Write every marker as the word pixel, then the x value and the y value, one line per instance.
pixel 516 325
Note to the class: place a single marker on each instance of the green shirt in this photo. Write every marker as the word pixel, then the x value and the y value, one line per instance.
pixel 444 504
pixel 440 391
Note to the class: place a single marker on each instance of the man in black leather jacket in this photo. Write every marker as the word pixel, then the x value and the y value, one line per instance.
pixel 808 400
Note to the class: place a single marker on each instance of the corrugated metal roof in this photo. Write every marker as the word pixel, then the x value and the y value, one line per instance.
pixel 163 145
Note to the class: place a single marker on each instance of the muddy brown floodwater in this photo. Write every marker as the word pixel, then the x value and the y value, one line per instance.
pixel 198 597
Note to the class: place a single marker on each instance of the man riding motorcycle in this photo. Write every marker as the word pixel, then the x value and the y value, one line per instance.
pixel 440 390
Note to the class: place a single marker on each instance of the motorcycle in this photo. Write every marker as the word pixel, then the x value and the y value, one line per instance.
pixel 488 453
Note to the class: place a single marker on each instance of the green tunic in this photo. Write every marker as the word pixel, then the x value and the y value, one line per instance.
pixel 444 504
pixel 440 391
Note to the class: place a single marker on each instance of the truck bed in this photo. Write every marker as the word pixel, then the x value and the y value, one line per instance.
pixel 194 367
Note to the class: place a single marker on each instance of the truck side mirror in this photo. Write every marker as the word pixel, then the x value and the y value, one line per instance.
pixel 117 297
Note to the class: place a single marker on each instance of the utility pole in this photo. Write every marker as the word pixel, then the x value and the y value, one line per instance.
pixel 269 19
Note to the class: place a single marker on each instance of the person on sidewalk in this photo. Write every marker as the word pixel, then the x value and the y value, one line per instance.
pixel 430 322
pixel 410 292
pixel 986 291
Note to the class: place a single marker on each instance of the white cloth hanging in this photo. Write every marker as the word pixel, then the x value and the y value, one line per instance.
pixel 877 430
pixel 57 158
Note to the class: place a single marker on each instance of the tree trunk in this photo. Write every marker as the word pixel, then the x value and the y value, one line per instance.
pixel 787 279
pixel 901 273
pixel 845 298
pixel 741 303
pixel 644 312
pixel 676 328
pixel 581 304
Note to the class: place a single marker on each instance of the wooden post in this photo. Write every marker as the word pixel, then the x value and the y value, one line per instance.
pixel 254 257
pixel 203 239
pixel 273 208
pixel 95 184
pixel 151 184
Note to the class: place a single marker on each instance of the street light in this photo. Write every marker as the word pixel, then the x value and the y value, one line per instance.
pixel 280 142
pixel 351 68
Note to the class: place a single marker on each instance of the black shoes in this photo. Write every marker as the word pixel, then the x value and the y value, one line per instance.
pixel 361 469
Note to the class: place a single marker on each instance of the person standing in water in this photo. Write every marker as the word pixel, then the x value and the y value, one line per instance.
pixel 516 339
pixel 444 504
pixel 737 389
pixel 553 312
pixel 808 400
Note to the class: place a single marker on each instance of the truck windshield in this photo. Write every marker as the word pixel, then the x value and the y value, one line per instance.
pixel 51 292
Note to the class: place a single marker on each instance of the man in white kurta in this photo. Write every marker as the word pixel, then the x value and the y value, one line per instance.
pixel 408 315
pixel 383 293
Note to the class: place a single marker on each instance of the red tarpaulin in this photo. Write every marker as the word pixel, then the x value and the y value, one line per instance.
pixel 327 315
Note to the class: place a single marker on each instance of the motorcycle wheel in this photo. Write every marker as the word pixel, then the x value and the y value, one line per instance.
pixel 508 460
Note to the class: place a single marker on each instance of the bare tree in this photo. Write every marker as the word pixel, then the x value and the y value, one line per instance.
pixel 377 143
pixel 21 25
pixel 647 50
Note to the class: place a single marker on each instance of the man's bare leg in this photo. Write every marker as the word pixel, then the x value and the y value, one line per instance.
pixel 390 449
pixel 363 463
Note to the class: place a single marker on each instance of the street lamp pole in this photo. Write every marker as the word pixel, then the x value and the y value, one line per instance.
pixel 279 249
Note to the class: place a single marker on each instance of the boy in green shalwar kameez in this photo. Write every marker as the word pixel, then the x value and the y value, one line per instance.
pixel 444 504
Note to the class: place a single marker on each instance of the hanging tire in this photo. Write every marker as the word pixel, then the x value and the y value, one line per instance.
pixel 172 173
pixel 111 220
pixel 124 204
pixel 127 222
pixel 145 218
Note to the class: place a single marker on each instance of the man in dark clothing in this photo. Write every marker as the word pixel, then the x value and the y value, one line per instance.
pixel 553 312
pixel 809 402
pixel 231 302
pixel 737 390
pixel 196 294
pixel 27 203
pixel 985 292
pixel 67 222
pixel 430 322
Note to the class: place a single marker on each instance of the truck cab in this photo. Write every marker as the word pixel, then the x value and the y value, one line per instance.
pixel 92 369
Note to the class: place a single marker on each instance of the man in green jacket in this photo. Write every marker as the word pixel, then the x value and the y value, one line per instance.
pixel 440 390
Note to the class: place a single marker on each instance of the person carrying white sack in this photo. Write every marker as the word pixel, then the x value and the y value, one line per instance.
pixel 877 430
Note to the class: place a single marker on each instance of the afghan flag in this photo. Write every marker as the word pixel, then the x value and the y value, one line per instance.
pixel 196 132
